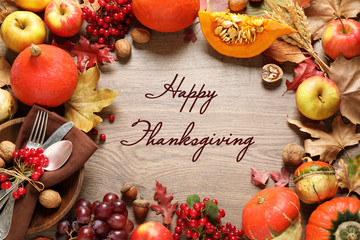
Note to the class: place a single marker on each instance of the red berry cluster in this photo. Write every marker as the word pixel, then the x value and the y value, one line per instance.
pixel 111 21
pixel 196 225
pixel 28 160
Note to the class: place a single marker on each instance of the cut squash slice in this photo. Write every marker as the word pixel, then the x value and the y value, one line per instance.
pixel 238 35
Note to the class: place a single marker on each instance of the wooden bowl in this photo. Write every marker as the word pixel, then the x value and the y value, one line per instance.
pixel 69 189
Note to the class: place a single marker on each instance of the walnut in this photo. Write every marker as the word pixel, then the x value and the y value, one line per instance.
pixel 6 151
pixel 123 48
pixel 141 35
pixel 293 154
pixel 50 198
pixel 272 73
pixel 2 163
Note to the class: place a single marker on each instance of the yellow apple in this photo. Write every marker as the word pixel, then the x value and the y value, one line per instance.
pixel 33 5
pixel 22 28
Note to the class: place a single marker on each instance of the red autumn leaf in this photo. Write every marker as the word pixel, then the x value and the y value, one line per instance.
pixel 305 69
pixel 164 206
pixel 259 179
pixel 190 36
pixel 281 179
pixel 86 54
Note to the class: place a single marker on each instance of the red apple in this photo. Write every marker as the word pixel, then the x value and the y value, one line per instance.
pixel 32 5
pixel 151 231
pixel 342 36
pixel 22 28
pixel 63 17
pixel 318 98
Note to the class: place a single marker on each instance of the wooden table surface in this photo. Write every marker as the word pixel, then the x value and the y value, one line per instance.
pixel 245 106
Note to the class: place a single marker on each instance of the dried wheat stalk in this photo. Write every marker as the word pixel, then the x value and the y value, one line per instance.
pixel 291 14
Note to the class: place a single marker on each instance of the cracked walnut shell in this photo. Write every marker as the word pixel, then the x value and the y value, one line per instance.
pixel 271 73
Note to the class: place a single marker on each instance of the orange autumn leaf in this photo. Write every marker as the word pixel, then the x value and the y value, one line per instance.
pixel 322 12
pixel 346 74
pixel 348 174
pixel 327 144
pixel 281 52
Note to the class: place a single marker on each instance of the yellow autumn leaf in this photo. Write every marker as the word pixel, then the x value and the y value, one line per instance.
pixel 4 72
pixel 86 100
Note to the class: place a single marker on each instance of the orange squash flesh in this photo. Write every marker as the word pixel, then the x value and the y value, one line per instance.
pixel 272 30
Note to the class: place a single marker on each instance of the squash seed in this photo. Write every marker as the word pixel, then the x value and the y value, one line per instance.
pixel 223 32
pixel 233 33
pixel 227 24
pixel 218 30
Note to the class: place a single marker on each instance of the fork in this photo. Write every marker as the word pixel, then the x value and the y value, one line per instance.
pixel 36 140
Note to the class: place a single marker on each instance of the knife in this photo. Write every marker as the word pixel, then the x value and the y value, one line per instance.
pixel 58 134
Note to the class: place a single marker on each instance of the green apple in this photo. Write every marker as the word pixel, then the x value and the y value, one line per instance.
pixel 318 98
pixel 22 28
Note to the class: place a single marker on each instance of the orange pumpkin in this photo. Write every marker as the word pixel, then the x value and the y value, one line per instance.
pixel 45 75
pixel 166 15
pixel 238 35
pixel 315 181
pixel 273 213
pixel 337 219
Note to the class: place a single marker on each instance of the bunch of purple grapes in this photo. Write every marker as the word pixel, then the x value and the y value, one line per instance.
pixel 97 220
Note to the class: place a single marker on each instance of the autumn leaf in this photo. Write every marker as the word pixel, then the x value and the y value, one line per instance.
pixel 281 52
pixel 307 68
pixel 348 175
pixel 4 72
pixel 328 144
pixel 164 205
pixel 8 7
pixel 86 54
pixel 322 12
pixel 190 36
pixel 281 179
pixel 86 100
pixel 259 179
pixel 346 74
pixel 93 6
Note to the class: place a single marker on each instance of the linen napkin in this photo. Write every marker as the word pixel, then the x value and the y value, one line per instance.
pixel 83 148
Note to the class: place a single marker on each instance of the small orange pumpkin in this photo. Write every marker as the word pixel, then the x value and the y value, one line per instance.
pixel 238 35
pixel 273 213
pixel 166 15
pixel 337 219
pixel 45 75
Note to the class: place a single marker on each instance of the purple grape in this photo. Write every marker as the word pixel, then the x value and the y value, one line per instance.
pixel 117 235
pixel 83 214
pixel 83 202
pixel 86 233
pixel 101 227
pixel 63 226
pixel 60 236
pixel 94 205
pixel 116 221
pixel 110 197
pixel 103 211
pixel 119 206
pixel 129 226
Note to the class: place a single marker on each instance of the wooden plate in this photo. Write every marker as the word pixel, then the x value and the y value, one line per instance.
pixel 69 189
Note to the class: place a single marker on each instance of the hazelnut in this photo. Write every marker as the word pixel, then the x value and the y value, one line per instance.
pixel 123 48
pixel 6 151
pixel 272 73
pixel 50 198
pixel 293 154
pixel 141 207
pixel 129 191
pixel 141 35
pixel 2 163
pixel 237 5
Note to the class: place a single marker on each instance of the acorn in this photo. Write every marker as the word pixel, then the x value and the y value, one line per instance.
pixel 129 191
pixel 141 207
